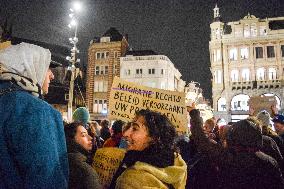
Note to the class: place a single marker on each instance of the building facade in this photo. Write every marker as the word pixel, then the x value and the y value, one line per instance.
pixel 247 59
pixel 150 69
pixel 103 66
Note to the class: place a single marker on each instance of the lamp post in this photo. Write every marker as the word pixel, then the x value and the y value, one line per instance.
pixel 73 58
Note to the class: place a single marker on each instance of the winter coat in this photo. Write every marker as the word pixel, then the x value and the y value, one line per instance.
pixel 270 148
pixel 82 175
pixel 146 169
pixel 243 168
pixel 32 143
pixel 113 141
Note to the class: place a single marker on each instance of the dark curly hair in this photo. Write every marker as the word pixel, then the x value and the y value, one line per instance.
pixel 160 129
pixel 71 129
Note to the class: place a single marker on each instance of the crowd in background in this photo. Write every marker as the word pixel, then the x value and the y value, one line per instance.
pixel 38 151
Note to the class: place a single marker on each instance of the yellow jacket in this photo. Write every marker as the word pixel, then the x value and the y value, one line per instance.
pixel 146 176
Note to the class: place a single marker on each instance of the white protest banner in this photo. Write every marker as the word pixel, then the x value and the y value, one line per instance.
pixel 126 98
pixel 106 162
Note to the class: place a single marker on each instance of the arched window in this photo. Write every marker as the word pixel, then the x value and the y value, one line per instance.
pixel 272 74
pixel 221 104
pixel 234 75
pixel 260 74
pixel 245 74
pixel 278 101
pixel 240 102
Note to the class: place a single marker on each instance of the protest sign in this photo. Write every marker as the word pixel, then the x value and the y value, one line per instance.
pixel 126 98
pixel 106 162
pixel 259 103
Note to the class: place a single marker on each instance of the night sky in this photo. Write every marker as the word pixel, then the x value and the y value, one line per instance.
pixel 178 29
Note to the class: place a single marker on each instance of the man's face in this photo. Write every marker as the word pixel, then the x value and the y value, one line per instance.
pixel 279 128
pixel 48 77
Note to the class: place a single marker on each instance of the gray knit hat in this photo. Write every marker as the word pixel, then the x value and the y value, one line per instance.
pixel 264 118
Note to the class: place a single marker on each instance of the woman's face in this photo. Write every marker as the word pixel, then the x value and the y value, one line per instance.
pixel 83 138
pixel 137 135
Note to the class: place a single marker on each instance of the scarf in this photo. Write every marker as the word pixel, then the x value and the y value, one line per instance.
pixel 25 83
pixel 150 155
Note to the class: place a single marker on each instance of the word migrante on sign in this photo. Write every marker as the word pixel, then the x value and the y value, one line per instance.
pixel 126 98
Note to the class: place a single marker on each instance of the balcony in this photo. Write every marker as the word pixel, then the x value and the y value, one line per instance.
pixel 241 85
pixel 262 84
pixel 269 84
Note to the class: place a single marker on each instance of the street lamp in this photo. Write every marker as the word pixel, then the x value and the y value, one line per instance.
pixel 73 58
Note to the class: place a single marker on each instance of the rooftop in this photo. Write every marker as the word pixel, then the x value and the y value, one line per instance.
pixel 141 53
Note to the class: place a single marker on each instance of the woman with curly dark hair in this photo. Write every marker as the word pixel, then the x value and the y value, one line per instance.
pixel 151 160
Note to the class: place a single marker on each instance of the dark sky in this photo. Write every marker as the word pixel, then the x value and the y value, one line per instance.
pixel 178 29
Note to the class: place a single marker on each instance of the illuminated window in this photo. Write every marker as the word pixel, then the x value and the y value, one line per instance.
pixel 244 53
pixel 245 74
pixel 260 74
pixel 99 86
pixel 240 102
pixel 218 76
pixel 216 55
pixel 234 75
pixel 272 73
pixel 221 104
pixel 233 54
pixel 97 70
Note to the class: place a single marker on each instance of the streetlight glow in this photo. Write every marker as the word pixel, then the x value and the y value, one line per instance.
pixel 73 59
pixel 77 6
pixel 73 22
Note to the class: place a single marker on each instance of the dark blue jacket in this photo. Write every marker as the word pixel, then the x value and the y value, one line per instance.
pixel 32 143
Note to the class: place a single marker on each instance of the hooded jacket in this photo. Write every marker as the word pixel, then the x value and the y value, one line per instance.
pixel 144 175
pixel 32 143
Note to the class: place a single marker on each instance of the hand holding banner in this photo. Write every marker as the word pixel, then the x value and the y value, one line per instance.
pixel 126 98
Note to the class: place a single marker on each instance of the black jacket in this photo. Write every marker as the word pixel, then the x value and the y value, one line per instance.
pixel 81 173
pixel 238 169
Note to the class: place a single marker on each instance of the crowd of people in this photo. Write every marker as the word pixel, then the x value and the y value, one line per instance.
pixel 38 150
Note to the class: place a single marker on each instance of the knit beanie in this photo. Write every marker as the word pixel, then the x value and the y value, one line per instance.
pixel 82 115
pixel 264 118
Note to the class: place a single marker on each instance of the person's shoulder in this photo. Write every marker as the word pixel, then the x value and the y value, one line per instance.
pixel 128 179
pixel 24 102
pixel 266 159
